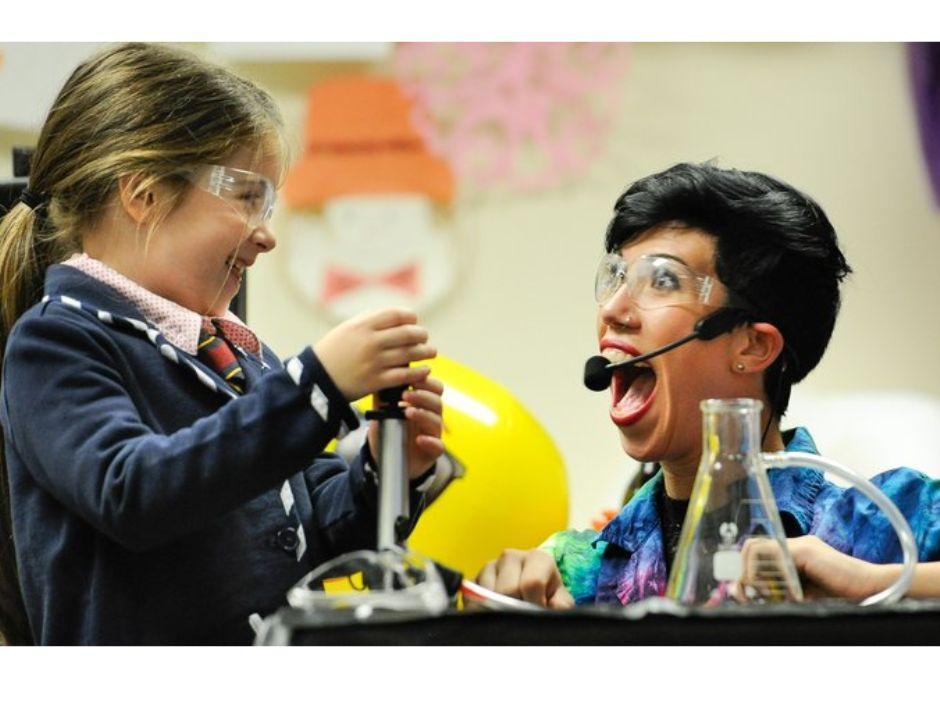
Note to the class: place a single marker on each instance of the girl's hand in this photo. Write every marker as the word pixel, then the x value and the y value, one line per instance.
pixel 423 409
pixel 372 351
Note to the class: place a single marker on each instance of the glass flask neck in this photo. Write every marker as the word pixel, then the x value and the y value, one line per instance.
pixel 730 429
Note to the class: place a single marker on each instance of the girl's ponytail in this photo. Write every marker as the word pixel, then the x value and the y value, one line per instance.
pixel 23 261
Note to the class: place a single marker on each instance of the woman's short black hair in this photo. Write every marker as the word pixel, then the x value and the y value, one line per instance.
pixel 775 248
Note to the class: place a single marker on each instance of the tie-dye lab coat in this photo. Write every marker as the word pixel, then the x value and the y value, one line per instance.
pixel 625 563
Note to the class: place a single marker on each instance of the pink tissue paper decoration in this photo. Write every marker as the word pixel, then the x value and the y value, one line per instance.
pixel 522 117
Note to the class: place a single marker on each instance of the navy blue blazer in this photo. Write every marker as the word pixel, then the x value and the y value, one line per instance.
pixel 152 505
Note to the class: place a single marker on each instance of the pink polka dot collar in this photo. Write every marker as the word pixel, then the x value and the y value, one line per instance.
pixel 179 325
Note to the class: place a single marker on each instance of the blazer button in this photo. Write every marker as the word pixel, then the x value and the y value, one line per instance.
pixel 287 539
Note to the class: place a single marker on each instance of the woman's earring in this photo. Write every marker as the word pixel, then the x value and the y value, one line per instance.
pixel 739 366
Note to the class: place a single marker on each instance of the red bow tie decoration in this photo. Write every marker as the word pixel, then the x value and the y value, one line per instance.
pixel 338 281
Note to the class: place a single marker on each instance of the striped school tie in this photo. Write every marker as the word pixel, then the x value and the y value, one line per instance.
pixel 214 350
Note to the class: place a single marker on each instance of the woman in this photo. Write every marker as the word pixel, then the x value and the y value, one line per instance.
pixel 692 241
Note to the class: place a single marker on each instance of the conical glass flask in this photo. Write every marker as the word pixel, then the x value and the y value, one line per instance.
pixel 732 545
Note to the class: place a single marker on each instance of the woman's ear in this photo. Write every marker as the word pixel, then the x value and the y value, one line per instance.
pixel 756 346
pixel 136 200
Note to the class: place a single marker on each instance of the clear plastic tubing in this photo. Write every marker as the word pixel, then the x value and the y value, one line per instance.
pixel 899 587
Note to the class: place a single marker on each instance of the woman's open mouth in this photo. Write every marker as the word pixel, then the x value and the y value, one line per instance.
pixel 632 389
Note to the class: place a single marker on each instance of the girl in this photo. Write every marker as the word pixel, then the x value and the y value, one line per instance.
pixel 165 470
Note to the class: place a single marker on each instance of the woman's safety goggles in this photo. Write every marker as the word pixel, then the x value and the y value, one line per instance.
pixel 249 193
pixel 652 281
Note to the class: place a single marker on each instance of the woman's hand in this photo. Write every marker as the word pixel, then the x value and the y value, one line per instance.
pixel 527 575
pixel 826 572
pixel 372 351
pixel 423 409
pixel 764 573
pixel 823 571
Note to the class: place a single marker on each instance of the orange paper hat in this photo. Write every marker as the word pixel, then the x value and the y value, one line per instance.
pixel 359 139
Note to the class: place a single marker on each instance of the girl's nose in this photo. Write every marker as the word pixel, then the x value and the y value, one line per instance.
pixel 263 237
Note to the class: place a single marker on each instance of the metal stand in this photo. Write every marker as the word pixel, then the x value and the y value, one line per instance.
pixel 394 509
pixel 364 584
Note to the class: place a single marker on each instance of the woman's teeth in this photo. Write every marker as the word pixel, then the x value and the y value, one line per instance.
pixel 615 355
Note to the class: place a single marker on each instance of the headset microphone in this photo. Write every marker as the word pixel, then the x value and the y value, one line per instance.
pixel 598 370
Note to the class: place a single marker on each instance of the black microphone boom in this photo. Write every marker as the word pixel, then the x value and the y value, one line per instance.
pixel 598 370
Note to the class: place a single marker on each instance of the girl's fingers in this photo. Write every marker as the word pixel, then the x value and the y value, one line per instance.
pixel 389 318
pixel 424 421
pixel 424 400
pixel 401 336
pixel 432 446
pixel 402 376
pixel 399 357
pixel 431 384
pixel 426 451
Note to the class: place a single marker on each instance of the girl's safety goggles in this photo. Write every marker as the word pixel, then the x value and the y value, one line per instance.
pixel 249 193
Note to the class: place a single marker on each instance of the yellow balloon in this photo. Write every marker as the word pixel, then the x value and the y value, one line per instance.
pixel 514 490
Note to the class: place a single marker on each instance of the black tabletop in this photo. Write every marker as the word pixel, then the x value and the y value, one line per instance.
pixel 654 622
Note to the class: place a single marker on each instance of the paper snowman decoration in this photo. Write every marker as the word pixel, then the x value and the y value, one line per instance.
pixel 368 223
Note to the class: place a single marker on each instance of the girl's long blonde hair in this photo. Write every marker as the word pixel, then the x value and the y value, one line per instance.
pixel 143 109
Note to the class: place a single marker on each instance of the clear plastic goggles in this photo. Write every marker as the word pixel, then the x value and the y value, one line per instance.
pixel 249 193
pixel 652 281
